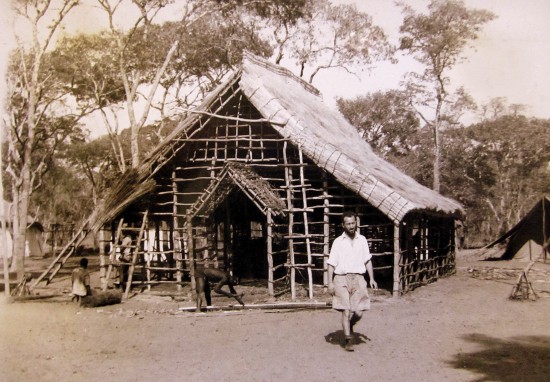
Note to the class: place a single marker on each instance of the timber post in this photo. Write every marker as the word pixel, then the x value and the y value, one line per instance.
pixel 396 260
pixel 269 244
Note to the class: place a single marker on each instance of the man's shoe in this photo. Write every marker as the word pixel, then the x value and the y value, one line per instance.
pixel 348 345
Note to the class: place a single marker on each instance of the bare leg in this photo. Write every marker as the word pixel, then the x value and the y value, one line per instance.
pixel 237 296
pixel 223 278
pixel 347 330
pixel 218 289
pixel 201 298
pixel 345 323
pixel 355 317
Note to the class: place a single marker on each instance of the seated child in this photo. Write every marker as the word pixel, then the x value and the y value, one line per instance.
pixel 80 280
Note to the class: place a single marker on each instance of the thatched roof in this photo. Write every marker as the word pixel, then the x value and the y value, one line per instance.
pixel 324 135
pixel 333 144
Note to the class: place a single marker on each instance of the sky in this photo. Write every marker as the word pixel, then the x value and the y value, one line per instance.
pixel 511 59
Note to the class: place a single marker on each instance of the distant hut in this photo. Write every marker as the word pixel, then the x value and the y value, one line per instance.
pixel 33 237
pixel 255 182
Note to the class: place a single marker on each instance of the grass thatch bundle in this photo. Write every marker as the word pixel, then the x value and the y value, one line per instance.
pixel 103 298
pixel 130 187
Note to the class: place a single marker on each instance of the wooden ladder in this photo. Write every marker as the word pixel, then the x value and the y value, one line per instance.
pixel 309 264
pixel 61 259
pixel 135 250
pixel 115 244
pixel 135 253
pixel 295 239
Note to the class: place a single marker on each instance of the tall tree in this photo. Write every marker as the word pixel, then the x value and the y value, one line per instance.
pixel 329 36
pixel 438 40
pixel 38 118
pixel 138 61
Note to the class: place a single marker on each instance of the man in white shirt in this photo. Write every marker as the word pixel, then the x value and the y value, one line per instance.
pixel 348 261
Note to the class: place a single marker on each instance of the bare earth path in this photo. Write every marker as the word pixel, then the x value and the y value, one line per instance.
pixel 457 329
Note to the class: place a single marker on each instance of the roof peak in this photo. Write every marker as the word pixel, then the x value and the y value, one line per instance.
pixel 250 58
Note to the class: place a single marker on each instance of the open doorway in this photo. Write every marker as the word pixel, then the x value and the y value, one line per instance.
pixel 242 228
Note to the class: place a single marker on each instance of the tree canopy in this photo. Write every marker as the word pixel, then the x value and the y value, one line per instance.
pixel 438 40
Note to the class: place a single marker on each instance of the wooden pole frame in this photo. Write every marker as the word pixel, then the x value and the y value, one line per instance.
pixel 306 224
pixel 269 244
pixel 191 251
pixel 290 205
pixel 326 229
pixel 396 261
pixel 176 235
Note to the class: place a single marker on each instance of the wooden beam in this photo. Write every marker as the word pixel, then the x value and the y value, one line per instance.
pixel 269 244
pixel 396 261
pixel 286 305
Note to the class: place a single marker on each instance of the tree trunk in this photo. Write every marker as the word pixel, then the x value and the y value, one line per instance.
pixel 135 146
pixel 437 137
pixel 20 208
pixel 4 237
pixel 437 159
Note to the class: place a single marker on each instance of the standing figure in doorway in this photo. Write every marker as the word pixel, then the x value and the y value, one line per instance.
pixel 125 260
pixel 348 261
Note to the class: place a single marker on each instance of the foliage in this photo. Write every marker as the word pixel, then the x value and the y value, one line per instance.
pixel 93 162
pixel 437 40
pixel 73 200
pixel 166 67
pixel 327 37
pixel 497 107
pixel 498 169
pixel 170 67
pixel 384 119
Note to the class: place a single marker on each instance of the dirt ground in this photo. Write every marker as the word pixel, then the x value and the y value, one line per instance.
pixel 461 328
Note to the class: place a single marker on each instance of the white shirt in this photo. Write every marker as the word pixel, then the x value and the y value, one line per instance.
pixel 349 255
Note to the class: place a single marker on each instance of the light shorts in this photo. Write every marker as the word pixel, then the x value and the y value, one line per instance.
pixel 350 293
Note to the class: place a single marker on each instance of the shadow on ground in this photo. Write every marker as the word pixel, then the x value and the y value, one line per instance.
pixel 524 358
pixel 337 338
